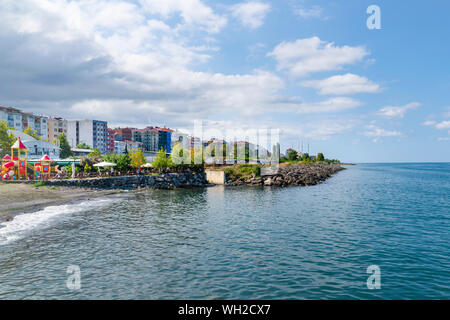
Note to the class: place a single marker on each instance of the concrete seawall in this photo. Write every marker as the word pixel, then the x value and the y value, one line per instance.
pixel 216 177
pixel 163 181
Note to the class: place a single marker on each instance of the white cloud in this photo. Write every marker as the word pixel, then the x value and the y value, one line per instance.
pixel 306 13
pixel 331 105
pixel 306 56
pixel 193 12
pixel 438 125
pixel 443 139
pixel 442 125
pixel 343 84
pixel 397 112
pixel 250 14
pixel 82 58
pixel 377 132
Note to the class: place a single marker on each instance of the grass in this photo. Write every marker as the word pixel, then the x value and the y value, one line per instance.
pixel 243 171
pixel 39 184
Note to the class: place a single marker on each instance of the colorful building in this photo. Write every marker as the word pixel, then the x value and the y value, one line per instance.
pixel 109 140
pixel 56 126
pixel 124 134
pixel 154 138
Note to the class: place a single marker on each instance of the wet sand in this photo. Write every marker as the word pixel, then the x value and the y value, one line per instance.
pixel 20 198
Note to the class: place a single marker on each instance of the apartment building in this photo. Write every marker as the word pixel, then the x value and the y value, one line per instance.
pixel 124 134
pixel 109 140
pixel 154 138
pixel 56 126
pixel 121 146
pixel 91 132
pixel 20 120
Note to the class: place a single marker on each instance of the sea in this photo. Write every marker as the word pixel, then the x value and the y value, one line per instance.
pixel 372 231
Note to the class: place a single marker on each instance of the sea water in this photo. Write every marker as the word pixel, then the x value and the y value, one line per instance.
pixel 242 242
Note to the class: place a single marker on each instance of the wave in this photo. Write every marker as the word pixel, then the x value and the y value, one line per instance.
pixel 22 224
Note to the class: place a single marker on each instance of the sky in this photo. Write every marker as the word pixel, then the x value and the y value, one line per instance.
pixel 312 69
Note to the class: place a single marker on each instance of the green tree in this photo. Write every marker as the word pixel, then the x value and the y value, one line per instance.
pixel 123 162
pixel 137 158
pixel 306 157
pixel 84 146
pixel 6 139
pixel 320 157
pixel 29 131
pixel 95 153
pixel 161 161
pixel 66 151
pixel 292 155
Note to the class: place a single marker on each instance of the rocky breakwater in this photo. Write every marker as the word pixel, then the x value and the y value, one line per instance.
pixel 163 181
pixel 291 175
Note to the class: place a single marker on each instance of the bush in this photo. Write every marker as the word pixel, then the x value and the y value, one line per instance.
pixel 243 171
pixel 229 171
pixel 39 184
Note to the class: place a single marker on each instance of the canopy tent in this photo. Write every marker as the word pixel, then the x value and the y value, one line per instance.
pixel 147 165
pixel 105 164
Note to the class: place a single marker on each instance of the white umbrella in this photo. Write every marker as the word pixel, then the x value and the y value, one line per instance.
pixel 105 164
pixel 147 165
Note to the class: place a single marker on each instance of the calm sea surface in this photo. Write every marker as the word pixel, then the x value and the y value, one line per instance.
pixel 243 243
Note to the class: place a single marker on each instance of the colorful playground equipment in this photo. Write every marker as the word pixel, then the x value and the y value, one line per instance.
pixel 15 167
pixel 42 168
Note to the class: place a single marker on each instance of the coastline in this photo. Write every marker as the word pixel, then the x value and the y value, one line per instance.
pixel 25 198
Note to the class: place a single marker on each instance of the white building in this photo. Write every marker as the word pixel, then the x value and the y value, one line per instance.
pixel 37 148
pixel 91 132
pixel 121 146
pixel 21 120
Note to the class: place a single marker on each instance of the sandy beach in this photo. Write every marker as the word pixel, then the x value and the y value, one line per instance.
pixel 20 198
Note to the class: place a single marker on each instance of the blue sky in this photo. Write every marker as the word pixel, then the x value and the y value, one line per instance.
pixel 311 68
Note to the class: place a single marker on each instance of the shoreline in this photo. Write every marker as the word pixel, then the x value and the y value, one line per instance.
pixel 25 198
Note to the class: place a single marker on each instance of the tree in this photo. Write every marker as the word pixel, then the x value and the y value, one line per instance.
pixel 84 146
pixel 29 131
pixel 6 139
pixel 66 151
pixel 320 157
pixel 161 161
pixel 292 155
pixel 306 157
pixel 95 153
pixel 123 162
pixel 137 158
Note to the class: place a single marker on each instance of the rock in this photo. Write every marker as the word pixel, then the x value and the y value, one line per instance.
pixel 292 175
pixel 7 219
